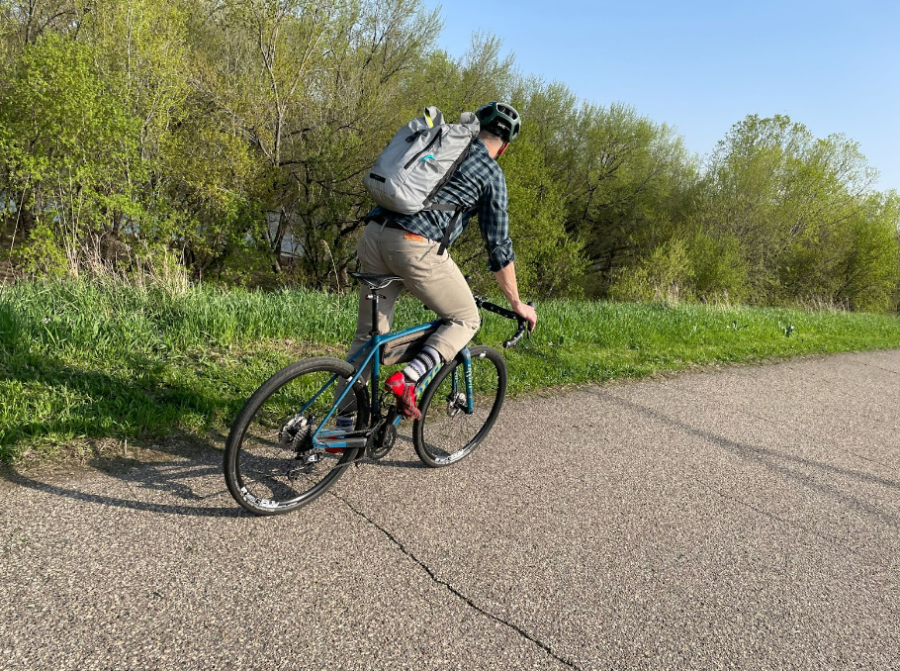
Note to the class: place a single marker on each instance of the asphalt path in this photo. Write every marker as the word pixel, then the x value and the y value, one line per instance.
pixel 747 518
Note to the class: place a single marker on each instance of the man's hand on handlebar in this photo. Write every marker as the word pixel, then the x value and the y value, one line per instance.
pixel 522 320
pixel 526 312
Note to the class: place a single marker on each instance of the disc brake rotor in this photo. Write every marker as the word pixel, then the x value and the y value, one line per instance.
pixel 455 403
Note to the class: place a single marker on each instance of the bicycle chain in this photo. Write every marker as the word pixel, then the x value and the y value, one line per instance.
pixel 373 433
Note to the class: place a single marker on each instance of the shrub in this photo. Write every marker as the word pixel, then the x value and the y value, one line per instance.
pixel 665 275
pixel 719 268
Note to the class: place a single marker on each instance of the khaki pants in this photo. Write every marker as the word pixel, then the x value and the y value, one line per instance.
pixel 434 280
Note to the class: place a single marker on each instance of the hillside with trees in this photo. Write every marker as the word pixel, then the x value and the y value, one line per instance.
pixel 234 135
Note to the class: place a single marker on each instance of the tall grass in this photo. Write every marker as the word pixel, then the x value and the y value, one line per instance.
pixel 105 358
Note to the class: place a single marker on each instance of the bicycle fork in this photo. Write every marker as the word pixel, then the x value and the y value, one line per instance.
pixel 454 382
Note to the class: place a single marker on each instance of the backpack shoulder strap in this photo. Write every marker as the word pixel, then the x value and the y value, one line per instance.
pixel 445 241
pixel 468 119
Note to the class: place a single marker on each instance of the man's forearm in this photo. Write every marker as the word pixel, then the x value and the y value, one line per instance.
pixel 506 278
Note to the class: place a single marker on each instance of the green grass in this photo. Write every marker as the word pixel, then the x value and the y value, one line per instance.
pixel 105 359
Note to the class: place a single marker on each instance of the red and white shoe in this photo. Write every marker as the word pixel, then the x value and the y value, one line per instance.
pixel 405 393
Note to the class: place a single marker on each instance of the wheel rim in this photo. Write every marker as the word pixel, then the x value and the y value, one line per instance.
pixel 275 466
pixel 448 432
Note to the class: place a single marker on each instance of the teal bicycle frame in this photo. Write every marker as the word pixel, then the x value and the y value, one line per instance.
pixel 337 438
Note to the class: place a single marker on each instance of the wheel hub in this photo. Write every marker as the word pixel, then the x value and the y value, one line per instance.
pixel 455 403
pixel 294 432
pixel 296 435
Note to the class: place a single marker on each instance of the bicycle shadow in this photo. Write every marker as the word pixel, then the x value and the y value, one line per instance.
pixel 187 470
pixel 182 467
pixel 403 461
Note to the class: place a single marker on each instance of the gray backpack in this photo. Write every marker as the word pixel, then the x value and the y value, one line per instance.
pixel 419 160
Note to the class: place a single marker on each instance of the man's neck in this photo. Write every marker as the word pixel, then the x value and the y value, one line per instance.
pixel 492 143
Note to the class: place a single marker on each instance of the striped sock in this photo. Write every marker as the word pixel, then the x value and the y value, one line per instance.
pixel 427 359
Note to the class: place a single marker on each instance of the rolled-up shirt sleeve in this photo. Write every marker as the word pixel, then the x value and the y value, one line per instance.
pixel 493 219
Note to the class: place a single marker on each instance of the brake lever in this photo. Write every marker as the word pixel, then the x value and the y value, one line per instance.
pixel 523 329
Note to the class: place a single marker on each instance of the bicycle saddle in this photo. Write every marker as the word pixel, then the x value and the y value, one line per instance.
pixel 375 281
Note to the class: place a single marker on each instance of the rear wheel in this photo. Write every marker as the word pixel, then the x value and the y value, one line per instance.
pixel 447 433
pixel 270 465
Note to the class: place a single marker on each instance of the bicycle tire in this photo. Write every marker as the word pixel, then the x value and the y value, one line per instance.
pixel 428 434
pixel 273 490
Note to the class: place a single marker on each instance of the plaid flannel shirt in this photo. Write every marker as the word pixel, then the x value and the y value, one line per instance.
pixel 479 186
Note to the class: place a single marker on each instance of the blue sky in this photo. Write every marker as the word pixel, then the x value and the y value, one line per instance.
pixel 701 66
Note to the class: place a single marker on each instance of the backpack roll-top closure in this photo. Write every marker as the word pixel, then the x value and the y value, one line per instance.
pixel 433 116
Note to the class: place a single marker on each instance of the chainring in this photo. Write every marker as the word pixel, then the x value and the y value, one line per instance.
pixel 383 438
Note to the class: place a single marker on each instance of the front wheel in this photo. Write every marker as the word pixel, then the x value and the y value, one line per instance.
pixel 447 432
pixel 271 465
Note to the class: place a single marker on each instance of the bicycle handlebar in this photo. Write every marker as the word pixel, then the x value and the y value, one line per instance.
pixel 509 314
pixel 512 342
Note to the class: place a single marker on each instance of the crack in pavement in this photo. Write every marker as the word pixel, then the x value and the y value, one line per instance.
pixel 431 574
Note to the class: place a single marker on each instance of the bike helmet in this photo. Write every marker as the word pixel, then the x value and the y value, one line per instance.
pixel 500 119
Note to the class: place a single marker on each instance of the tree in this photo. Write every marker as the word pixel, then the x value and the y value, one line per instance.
pixel 625 179
pixel 69 147
pixel 233 131
pixel 789 199
pixel 313 85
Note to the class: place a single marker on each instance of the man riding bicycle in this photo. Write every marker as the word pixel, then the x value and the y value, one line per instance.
pixel 409 246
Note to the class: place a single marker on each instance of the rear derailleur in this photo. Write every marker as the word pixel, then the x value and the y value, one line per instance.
pixel 296 435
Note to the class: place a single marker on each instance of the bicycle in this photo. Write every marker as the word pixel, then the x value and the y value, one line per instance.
pixel 285 449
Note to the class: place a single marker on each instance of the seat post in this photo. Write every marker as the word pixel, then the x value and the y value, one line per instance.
pixel 374 298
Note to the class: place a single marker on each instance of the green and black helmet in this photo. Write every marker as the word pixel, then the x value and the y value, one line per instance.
pixel 500 119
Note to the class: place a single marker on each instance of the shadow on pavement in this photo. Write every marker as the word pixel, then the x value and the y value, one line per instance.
pixel 781 463
pixel 190 472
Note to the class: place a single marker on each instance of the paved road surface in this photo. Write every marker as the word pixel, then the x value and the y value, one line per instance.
pixel 741 519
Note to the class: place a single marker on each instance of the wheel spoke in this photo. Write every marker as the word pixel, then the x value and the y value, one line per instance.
pixel 447 433
pixel 270 463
